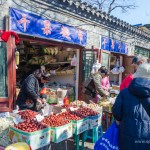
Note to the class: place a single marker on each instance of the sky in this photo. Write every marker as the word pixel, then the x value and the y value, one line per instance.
pixel 140 15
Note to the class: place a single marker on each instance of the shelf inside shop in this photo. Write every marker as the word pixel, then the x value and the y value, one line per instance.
pixel 64 62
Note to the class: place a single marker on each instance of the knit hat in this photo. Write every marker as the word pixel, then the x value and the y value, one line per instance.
pixel 143 71
pixel 137 59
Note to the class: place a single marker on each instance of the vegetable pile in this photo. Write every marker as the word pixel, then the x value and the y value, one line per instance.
pixel 85 112
pixel 27 114
pixel 4 130
pixel 55 121
pixel 30 126
pixel 70 116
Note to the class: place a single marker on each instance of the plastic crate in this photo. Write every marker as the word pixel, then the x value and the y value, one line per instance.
pixel 61 133
pixel 80 126
pixel 94 121
pixel 35 139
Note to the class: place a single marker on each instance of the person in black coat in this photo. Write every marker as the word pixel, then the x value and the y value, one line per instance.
pixel 132 110
pixel 29 93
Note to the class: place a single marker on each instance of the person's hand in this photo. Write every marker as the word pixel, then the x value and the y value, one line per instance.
pixel 106 93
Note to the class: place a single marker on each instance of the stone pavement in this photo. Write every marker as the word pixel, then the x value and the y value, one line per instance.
pixel 70 145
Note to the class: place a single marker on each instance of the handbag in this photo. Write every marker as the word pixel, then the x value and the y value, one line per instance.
pixel 110 140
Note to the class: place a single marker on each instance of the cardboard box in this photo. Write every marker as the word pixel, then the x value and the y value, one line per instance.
pixel 61 133
pixel 35 139
pixel 80 126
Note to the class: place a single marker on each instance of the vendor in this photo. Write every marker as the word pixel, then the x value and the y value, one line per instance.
pixel 29 96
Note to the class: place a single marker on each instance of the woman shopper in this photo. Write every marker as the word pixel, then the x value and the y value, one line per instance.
pixel 105 79
pixel 132 110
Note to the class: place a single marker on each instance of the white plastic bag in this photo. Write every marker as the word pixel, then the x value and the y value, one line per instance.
pixel 121 69
pixel 74 61
pixel 96 67
pixel 115 70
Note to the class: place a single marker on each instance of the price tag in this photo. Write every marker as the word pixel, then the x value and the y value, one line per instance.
pixel 63 110
pixel 72 109
pixel 6 114
pixel 39 117
pixel 17 119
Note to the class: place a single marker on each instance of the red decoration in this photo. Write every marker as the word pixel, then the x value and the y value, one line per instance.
pixel 6 35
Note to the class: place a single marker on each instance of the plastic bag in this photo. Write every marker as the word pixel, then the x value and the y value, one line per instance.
pixel 96 66
pixel 74 61
pixel 115 70
pixel 110 140
pixel 121 69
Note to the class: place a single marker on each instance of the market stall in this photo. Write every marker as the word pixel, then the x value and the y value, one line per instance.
pixel 112 55
pixel 38 130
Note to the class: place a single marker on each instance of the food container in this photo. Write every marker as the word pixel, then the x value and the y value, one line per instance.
pixel 61 133
pixel 80 126
pixel 35 139
pixel 52 96
pixel 94 121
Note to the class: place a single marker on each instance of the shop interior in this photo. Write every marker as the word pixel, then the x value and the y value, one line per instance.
pixel 61 65
pixel 116 62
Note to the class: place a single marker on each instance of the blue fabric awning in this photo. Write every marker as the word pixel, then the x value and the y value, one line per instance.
pixel 37 26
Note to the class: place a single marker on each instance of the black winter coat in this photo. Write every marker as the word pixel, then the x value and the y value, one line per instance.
pixel 132 109
pixel 29 90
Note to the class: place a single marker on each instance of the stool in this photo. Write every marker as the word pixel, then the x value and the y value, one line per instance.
pixel 95 133
pixel 76 140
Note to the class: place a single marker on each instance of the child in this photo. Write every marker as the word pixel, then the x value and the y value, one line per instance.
pixel 105 79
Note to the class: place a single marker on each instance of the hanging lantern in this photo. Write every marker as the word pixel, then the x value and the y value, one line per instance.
pixel 17 57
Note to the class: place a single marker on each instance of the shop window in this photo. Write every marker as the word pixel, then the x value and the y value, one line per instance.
pixel 3 70
pixel 141 51
pixel 106 59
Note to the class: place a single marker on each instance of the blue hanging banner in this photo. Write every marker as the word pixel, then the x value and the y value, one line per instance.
pixel 113 45
pixel 33 25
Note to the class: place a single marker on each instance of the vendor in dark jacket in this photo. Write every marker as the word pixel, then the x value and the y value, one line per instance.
pixel 132 110
pixel 29 93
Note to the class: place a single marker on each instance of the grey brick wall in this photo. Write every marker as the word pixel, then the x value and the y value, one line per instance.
pixel 48 11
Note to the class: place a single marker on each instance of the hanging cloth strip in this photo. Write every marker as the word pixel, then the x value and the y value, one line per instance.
pixel 5 36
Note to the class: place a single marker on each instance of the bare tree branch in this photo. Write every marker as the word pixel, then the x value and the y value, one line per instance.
pixel 110 5
pixel 123 7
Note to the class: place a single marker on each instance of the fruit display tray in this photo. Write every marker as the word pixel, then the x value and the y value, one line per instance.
pixel 94 121
pixel 80 126
pixel 61 133
pixel 35 139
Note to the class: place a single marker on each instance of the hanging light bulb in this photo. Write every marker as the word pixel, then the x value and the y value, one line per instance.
pixel 17 57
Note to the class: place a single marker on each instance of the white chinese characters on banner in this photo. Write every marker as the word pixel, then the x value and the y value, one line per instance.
pixel 24 21
pixel 47 27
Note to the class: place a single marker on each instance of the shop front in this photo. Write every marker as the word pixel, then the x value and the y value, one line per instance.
pixel 47 43
pixel 112 57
